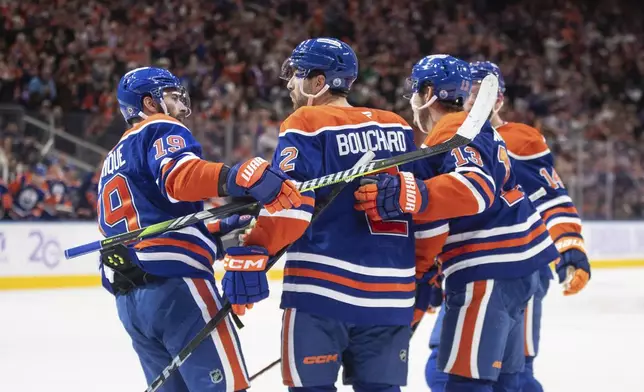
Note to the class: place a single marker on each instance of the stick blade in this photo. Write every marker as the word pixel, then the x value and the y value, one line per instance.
pixel 481 109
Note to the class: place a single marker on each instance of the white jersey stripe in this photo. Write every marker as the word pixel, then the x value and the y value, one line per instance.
pixel 355 268
pixel 479 198
pixel 349 299
pixel 161 256
pixel 432 232
pixel 503 258
pixel 553 203
pixel 503 230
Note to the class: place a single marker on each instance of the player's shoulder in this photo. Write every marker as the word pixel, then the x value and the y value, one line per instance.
pixel 387 118
pixel 445 128
pixel 155 124
pixel 523 141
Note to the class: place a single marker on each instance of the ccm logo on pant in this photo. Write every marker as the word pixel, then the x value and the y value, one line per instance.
pixel 320 359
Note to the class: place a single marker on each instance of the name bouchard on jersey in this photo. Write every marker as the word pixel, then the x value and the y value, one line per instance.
pixel 371 140
pixel 113 162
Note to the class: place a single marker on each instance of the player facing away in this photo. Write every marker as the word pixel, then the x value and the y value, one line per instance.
pixel 349 282
pixel 164 286
pixel 489 239
pixel 533 165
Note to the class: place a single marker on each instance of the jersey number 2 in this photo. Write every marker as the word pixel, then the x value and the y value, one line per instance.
pixel 117 204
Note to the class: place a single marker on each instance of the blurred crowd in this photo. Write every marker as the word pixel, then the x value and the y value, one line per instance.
pixel 573 69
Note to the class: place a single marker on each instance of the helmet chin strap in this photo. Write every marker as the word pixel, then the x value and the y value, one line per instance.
pixel 310 97
pixel 416 108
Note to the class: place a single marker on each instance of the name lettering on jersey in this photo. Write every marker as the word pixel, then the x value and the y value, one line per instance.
pixel 410 195
pixel 113 162
pixel 371 140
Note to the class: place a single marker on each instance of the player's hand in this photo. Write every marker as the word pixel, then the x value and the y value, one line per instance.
pixel 266 184
pixel 573 270
pixel 245 281
pixel 224 226
pixel 429 294
pixel 387 197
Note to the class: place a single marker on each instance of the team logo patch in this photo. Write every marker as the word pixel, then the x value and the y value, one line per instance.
pixel 337 82
pixel 216 376
pixel 403 355
pixel 130 110
pixel 443 94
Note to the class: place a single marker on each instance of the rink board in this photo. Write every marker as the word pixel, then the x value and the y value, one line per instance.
pixel 31 254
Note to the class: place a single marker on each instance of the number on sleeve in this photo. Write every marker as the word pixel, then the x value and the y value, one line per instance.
pixel 290 153
pixel 117 204
pixel 170 144
pixel 553 178
pixel 472 156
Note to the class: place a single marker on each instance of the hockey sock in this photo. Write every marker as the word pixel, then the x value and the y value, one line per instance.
pixel 320 388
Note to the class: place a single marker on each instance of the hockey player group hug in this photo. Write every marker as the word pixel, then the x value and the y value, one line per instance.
pixel 474 229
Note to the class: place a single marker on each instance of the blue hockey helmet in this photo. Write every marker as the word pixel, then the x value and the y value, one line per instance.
pixel 480 69
pixel 449 77
pixel 147 81
pixel 334 58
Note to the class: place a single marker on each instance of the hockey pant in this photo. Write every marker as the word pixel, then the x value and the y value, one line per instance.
pixel 374 358
pixel 482 329
pixel 162 317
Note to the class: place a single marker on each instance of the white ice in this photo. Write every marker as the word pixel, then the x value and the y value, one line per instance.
pixel 71 340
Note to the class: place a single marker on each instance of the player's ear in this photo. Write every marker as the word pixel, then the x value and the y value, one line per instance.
pixel 149 105
pixel 428 94
pixel 320 81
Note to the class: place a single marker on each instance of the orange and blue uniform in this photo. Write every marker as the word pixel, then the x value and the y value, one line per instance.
pixel 349 282
pixel 155 173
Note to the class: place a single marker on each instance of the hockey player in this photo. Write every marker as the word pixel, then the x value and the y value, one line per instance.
pixel 489 239
pixel 533 165
pixel 349 282
pixel 164 286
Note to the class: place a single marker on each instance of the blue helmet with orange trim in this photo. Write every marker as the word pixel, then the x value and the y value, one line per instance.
pixel 333 58
pixel 148 81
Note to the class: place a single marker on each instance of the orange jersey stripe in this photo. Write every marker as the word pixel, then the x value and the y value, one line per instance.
pixel 562 229
pixel 175 242
pixel 463 357
pixel 224 334
pixel 494 244
pixel 195 180
pixel 559 210
pixel 449 199
pixel 373 287
pixel 483 184
pixel 275 232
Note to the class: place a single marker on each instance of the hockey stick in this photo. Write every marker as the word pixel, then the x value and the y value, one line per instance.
pixel 465 134
pixel 227 307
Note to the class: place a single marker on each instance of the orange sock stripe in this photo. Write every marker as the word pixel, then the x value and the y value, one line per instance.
pixel 225 336
pixel 463 358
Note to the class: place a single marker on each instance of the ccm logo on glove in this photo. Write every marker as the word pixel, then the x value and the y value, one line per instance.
pixel 245 263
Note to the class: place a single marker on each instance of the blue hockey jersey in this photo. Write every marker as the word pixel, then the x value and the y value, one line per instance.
pixel 533 164
pixel 343 265
pixel 482 225
pixel 142 181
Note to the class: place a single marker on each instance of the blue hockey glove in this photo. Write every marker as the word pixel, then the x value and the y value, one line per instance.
pixel 573 270
pixel 245 281
pixel 266 184
pixel 387 197
pixel 429 293
pixel 224 226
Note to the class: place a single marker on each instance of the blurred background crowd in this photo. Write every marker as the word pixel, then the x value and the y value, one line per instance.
pixel 573 69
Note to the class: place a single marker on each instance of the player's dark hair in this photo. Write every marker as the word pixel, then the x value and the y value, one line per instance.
pixel 334 91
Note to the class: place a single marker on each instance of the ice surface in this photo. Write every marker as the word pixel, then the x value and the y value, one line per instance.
pixel 71 340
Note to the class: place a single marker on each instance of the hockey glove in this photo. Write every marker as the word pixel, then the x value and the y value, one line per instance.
pixel 429 294
pixel 222 227
pixel 573 270
pixel 388 197
pixel 245 281
pixel 267 185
